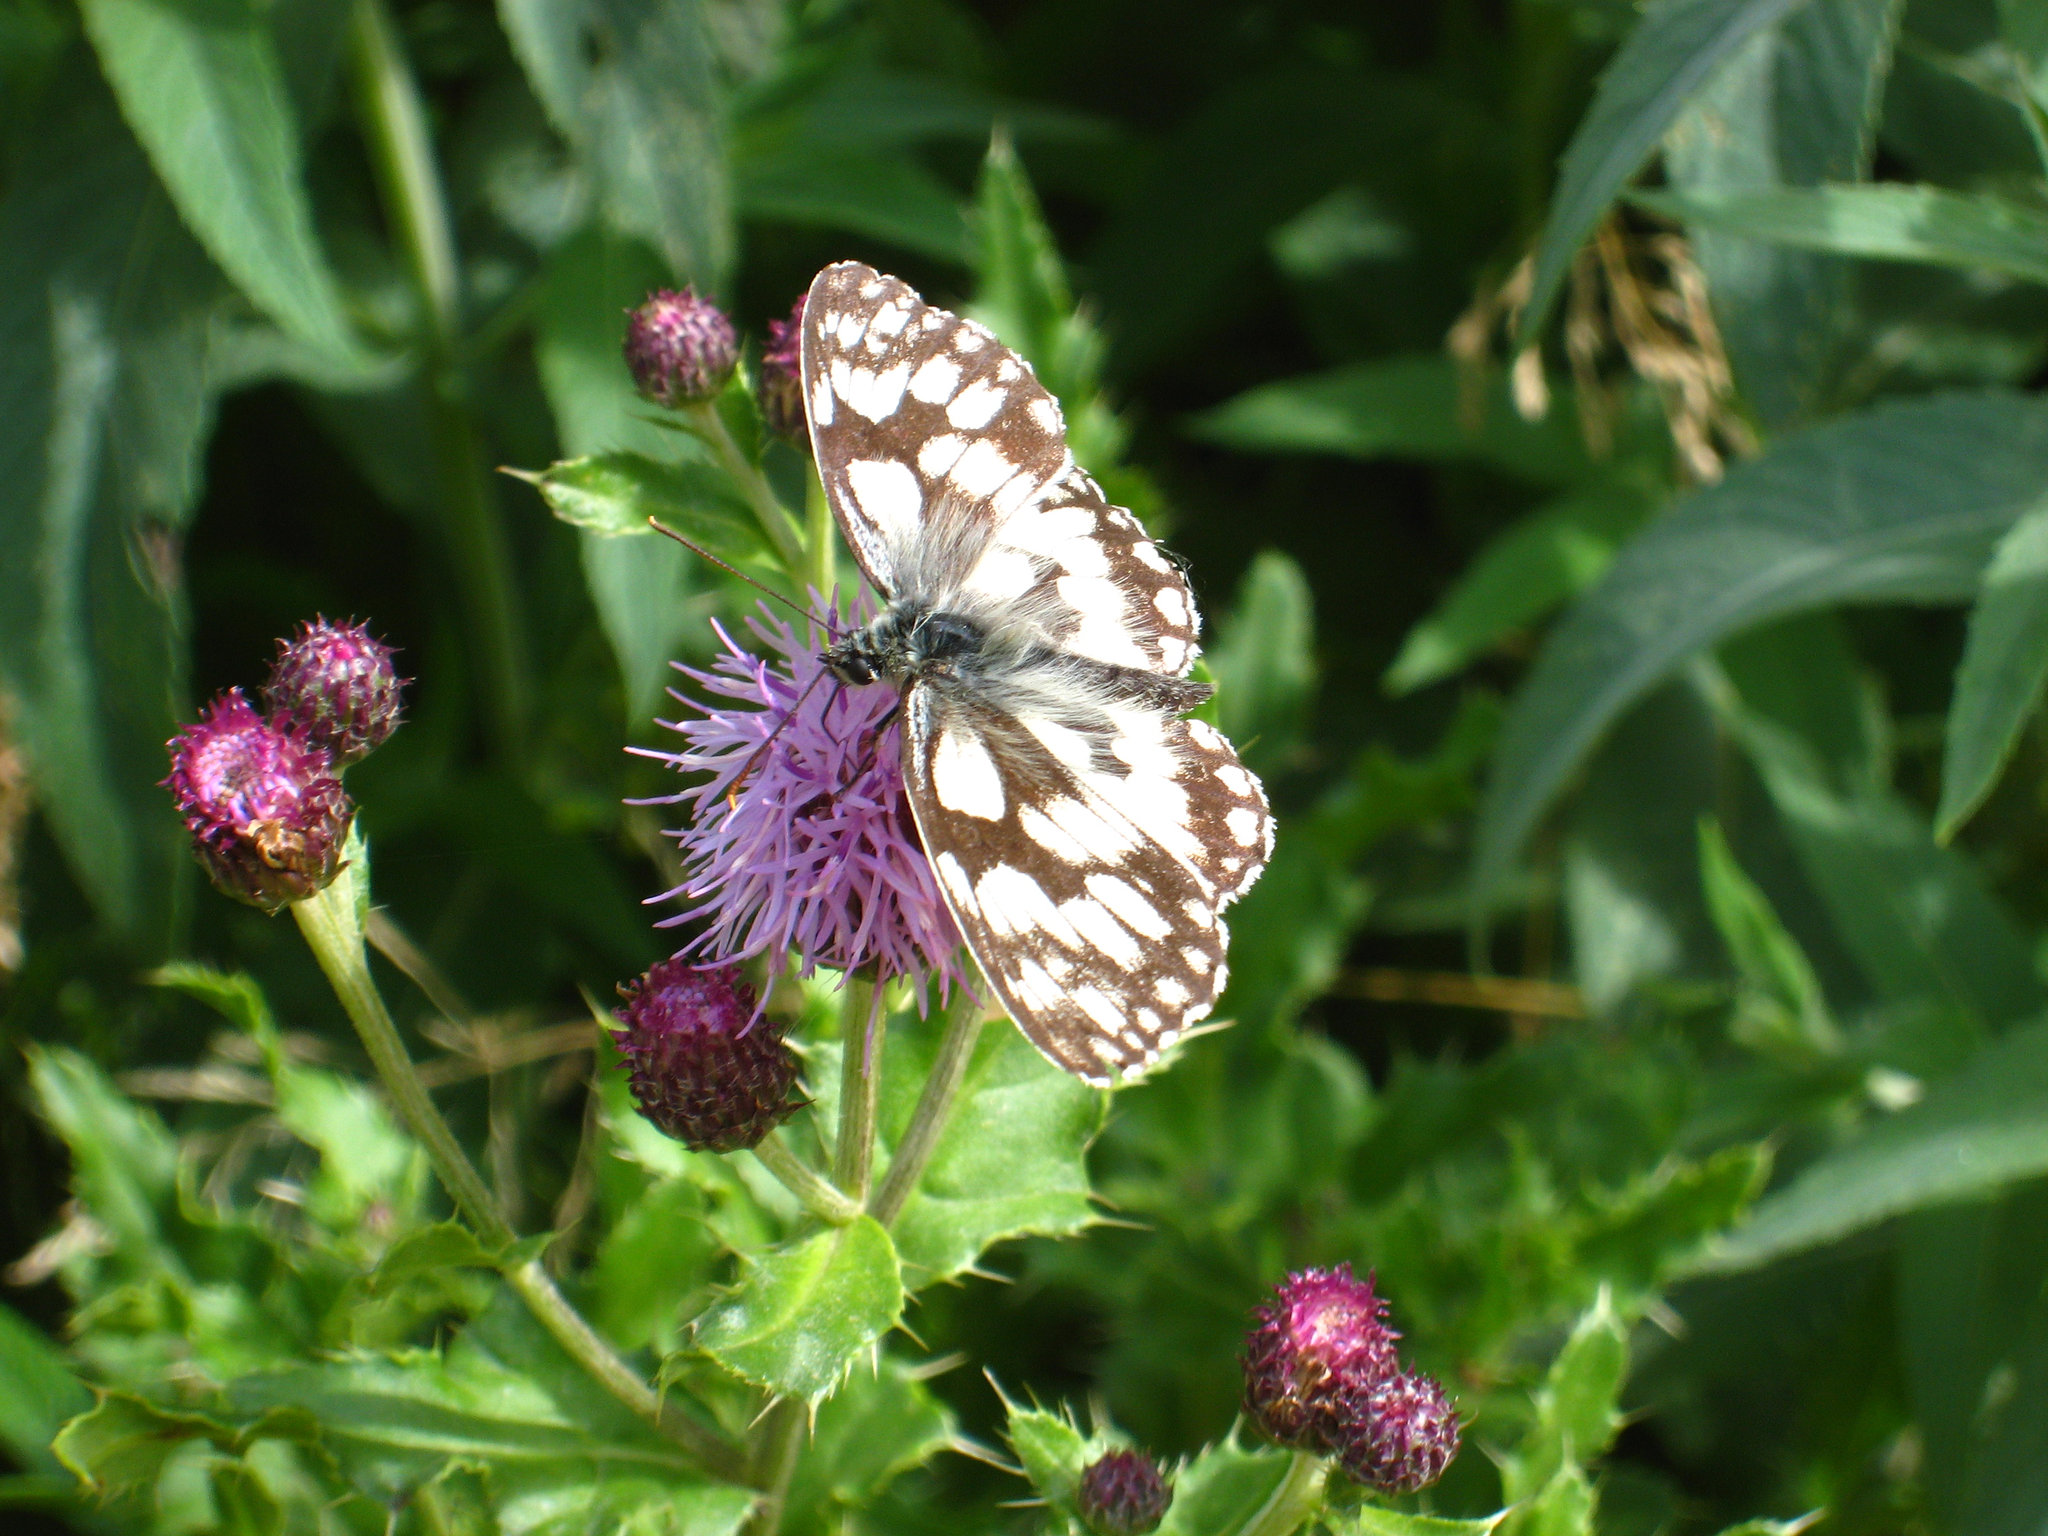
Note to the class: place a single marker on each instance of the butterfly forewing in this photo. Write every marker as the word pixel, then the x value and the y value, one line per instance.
pixel 920 417
pixel 1086 837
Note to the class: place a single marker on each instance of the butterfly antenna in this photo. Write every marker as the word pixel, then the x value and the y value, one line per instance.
pixel 698 549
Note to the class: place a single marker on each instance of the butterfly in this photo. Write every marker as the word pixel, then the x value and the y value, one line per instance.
pixel 1085 835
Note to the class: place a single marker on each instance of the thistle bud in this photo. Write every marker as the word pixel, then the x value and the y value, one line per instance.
pixel 680 347
pixel 1323 1339
pixel 781 388
pixel 1122 1494
pixel 1401 1436
pixel 707 1067
pixel 267 815
pixel 334 683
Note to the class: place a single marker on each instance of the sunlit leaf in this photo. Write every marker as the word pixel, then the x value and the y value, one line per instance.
pixel 805 1313
pixel 1222 1488
pixel 2004 665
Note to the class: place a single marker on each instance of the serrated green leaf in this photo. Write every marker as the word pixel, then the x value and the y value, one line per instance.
pixel 1563 1508
pixel 1264 661
pixel 1554 553
pixel 200 83
pixel 872 1430
pixel 564 1500
pixel 363 1154
pixel 120 1445
pixel 1051 1449
pixel 38 1392
pixel 1011 1160
pixel 1410 407
pixel 616 493
pixel 1976 1132
pixel 235 996
pixel 1673 52
pixel 1887 223
pixel 2005 662
pixel 123 1162
pixel 1222 1488
pixel 1575 1407
pixel 1377 1520
pixel 1768 958
pixel 806 1312
pixel 659 1252
pixel 636 89
pixel 444 1245
pixel 1902 502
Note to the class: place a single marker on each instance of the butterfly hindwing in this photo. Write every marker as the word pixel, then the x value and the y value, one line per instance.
pixel 919 418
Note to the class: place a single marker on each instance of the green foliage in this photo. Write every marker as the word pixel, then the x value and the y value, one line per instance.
pixel 1656 1013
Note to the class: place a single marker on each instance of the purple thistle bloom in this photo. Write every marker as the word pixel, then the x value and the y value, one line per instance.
pixel 1401 1436
pixel 800 839
pixel 335 684
pixel 781 387
pixel 267 815
pixel 1322 1336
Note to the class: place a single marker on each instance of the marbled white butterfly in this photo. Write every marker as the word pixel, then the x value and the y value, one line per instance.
pixel 1087 838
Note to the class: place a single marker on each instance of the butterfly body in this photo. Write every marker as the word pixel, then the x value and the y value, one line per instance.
pixel 1086 836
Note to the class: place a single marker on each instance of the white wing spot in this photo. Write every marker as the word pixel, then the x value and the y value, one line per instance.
pixel 1105 632
pixel 1206 736
pixel 850 327
pixel 1100 1007
pixel 970 338
pixel 1171 992
pixel 821 402
pixel 888 494
pixel 889 320
pixel 1003 574
pixel 1236 780
pixel 964 776
pixel 1145 552
pixel 1008 371
pixel 1175 654
pixel 1198 913
pixel 1244 825
pixel 953 875
pixel 1050 836
pixel 1092 921
pixel 879 394
pixel 935 382
pixel 976 405
pixel 938 454
pixel 1198 960
pixel 1172 604
pixel 1047 415
pixel 981 469
pixel 1128 903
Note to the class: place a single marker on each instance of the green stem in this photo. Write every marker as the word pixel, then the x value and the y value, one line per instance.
pixel 853 1160
pixel 774 1464
pixel 333 929
pixel 774 518
pixel 409 184
pixel 821 535
pixel 1297 1498
pixel 934 1106
pixel 820 1196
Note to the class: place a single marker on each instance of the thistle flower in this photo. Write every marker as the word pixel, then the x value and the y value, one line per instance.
pixel 1400 1436
pixel 1323 1335
pixel 781 387
pixel 705 1066
pixel 680 347
pixel 335 684
pixel 800 840
pixel 1122 1494
pixel 267 815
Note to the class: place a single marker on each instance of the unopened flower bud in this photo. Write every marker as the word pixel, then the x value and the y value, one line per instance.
pixel 1122 1494
pixel 1401 1436
pixel 267 815
pixel 781 389
pixel 335 684
pixel 680 347
pixel 707 1067
pixel 1322 1339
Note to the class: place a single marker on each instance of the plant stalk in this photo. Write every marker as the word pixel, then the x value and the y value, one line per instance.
pixel 333 930
pixel 934 1107
pixel 769 511
pixel 1297 1498
pixel 821 1197
pixel 409 185
pixel 822 536
pixel 860 1079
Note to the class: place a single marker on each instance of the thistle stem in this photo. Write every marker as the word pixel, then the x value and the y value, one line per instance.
pixel 860 1076
pixel 409 186
pixel 774 1464
pixel 822 537
pixel 1296 1499
pixel 774 518
pixel 934 1107
pixel 332 925
pixel 821 1197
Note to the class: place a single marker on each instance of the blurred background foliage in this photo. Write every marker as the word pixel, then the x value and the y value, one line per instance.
pixel 1632 599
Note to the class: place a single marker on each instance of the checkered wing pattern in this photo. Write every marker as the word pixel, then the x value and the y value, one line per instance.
pixel 1086 836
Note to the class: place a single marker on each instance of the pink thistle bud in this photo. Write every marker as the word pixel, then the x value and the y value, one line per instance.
pixel 1122 1494
pixel 1323 1337
pixel 1401 1436
pixel 706 1067
pixel 781 388
pixel 267 815
pixel 334 683
pixel 680 347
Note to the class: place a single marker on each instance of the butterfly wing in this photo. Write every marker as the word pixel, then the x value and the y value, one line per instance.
pixel 1087 875
pixel 946 463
